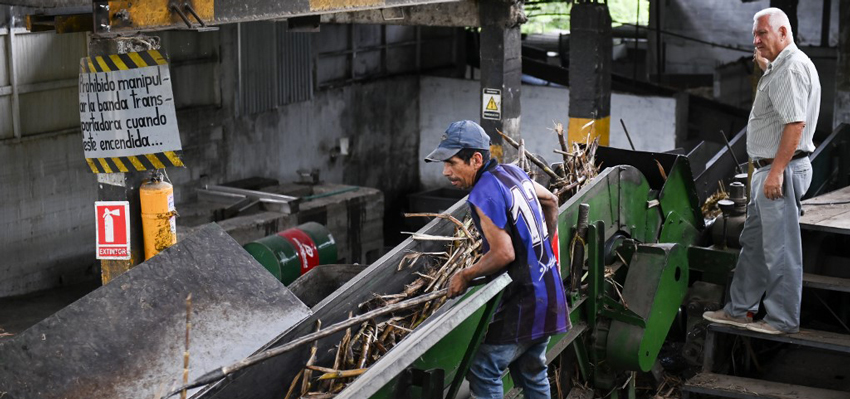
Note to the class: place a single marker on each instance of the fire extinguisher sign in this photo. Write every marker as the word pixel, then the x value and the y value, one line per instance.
pixel 112 219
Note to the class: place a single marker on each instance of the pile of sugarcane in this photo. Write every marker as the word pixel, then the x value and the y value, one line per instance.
pixel 710 209
pixel 578 168
pixel 361 348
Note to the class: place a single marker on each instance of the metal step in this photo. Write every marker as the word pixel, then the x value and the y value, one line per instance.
pixel 727 386
pixel 826 282
pixel 811 338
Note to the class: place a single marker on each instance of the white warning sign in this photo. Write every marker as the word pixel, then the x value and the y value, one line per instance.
pixel 491 104
pixel 127 106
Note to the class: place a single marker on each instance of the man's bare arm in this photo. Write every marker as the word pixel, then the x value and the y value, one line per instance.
pixel 549 205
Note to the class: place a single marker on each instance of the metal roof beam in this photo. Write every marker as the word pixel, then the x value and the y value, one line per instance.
pixel 456 14
pixel 151 15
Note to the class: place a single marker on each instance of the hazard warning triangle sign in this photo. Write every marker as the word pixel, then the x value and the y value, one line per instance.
pixel 491 104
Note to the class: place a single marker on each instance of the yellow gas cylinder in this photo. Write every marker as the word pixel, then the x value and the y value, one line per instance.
pixel 159 226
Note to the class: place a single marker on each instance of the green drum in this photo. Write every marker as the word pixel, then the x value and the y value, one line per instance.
pixel 277 255
pixel 293 252
pixel 323 241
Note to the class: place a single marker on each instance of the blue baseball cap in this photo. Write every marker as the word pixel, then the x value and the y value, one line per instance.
pixel 460 135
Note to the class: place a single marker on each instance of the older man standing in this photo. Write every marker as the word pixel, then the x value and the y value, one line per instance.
pixel 779 140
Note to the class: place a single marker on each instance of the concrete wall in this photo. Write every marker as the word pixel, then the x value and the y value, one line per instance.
pixel 380 120
pixel 46 213
pixel 47 195
pixel 47 191
pixel 726 22
pixel 650 120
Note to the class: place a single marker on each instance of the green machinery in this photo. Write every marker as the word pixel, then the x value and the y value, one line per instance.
pixel 641 222
pixel 633 265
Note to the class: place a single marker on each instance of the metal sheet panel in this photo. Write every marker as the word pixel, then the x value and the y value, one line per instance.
pixel 196 84
pixel 126 339
pixel 368 35
pixel 367 64
pixel 333 69
pixel 47 56
pixel 258 66
pixel 49 111
pixel 190 45
pixel 6 130
pixel 400 34
pixel 194 62
pixel 333 37
pixel 295 67
pixel 401 59
pixel 4 64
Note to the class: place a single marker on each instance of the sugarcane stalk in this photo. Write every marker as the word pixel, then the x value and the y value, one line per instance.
pixel 559 129
pixel 293 384
pixel 530 156
pixel 308 374
pixel 445 216
pixel 364 349
pixel 186 352
pixel 334 374
pixel 222 372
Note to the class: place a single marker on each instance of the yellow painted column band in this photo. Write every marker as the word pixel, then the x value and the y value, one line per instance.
pixel 497 152
pixel 585 130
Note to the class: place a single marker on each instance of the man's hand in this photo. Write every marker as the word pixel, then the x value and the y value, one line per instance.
pixel 760 61
pixel 457 285
pixel 773 184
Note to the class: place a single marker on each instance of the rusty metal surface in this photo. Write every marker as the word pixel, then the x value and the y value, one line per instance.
pixel 227 11
pixel 126 339
pixel 126 13
pixel 459 14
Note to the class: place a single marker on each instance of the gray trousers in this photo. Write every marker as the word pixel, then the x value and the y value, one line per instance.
pixel 771 260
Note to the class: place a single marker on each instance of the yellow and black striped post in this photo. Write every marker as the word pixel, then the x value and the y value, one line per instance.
pixel 590 73
pixel 123 62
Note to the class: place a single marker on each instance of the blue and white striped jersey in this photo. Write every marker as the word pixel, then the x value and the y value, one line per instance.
pixel 533 305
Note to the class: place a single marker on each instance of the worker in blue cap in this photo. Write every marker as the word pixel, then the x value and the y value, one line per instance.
pixel 515 216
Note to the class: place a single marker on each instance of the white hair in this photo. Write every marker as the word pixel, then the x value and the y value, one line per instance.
pixel 776 18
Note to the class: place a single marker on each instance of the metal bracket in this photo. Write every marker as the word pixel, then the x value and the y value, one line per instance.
pixel 188 8
pixel 617 311
pixel 267 201
pixel 100 11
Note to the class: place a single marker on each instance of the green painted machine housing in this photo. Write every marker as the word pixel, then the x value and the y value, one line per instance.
pixel 650 218
pixel 655 286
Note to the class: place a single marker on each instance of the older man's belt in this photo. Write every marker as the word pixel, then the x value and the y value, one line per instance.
pixel 760 163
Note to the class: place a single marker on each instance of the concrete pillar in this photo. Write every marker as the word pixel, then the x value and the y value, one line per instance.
pixel 590 73
pixel 841 112
pixel 501 73
pixel 122 186
pixel 790 9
